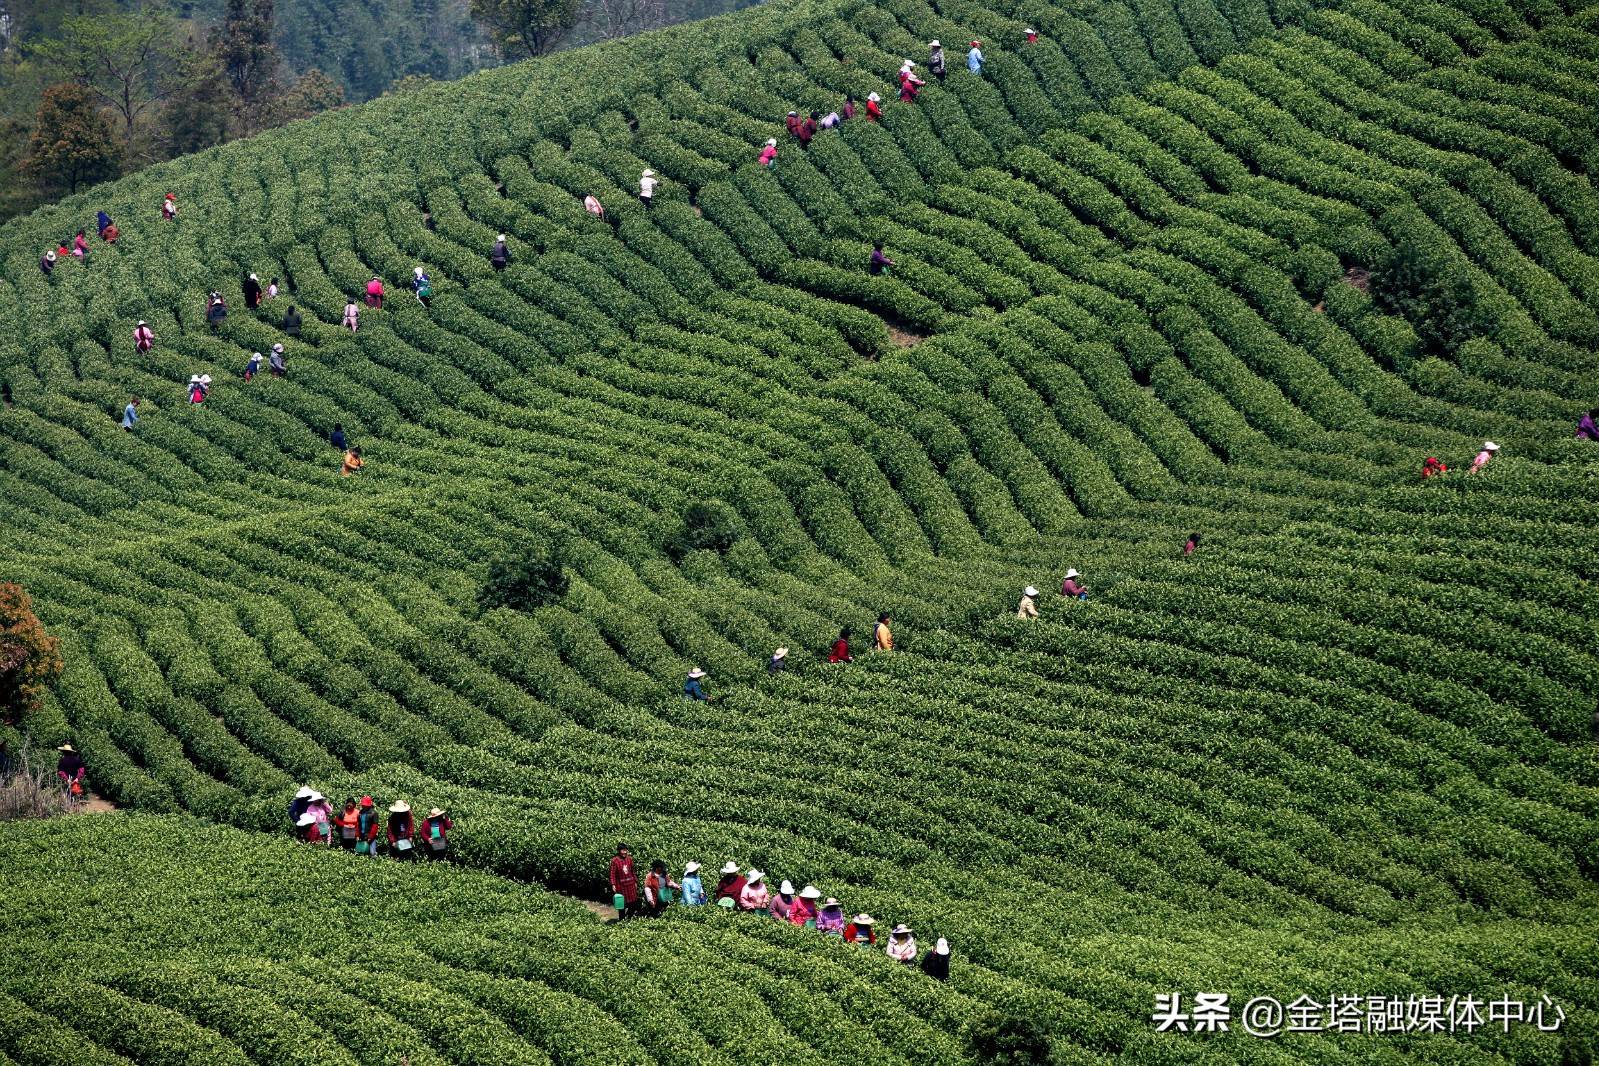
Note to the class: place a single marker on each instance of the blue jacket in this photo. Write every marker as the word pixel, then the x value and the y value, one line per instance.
pixel 693 891
pixel 692 690
pixel 974 61
pixel 130 415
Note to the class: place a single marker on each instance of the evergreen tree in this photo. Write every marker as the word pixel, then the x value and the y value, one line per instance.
pixel 527 27
pixel 249 58
pixel 72 145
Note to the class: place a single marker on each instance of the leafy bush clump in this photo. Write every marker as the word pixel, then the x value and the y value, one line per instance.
pixel 709 525
pixel 523 582
pixel 1007 1038
pixel 1437 296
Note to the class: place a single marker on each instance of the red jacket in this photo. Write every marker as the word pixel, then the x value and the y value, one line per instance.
pixel 873 112
pixel 853 932
pixel 623 880
pixel 840 652
pixel 401 827
pixel 732 889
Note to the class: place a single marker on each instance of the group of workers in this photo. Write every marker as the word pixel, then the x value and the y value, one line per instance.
pixel 358 826
pixel 837 652
pixel 750 892
pixel 1432 466
pixel 77 245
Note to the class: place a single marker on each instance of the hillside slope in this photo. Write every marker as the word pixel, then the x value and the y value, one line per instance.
pixel 1341 750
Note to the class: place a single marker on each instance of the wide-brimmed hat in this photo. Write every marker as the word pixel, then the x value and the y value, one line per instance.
pixel 780 653
pixel 205 379
pixel 50 255
pixel 934 44
pixel 1489 445
pixel 831 902
pixel 648 173
pixel 278 347
pixel 435 812
pixel 942 947
pixel 864 919
pixel 1071 573
pixel 771 142
pixel 194 379
pixel 317 796
pixel 730 868
pixel 696 673
pixel 1028 30
pixel 793 114
pixel 305 793
pixel 399 807
pixel 902 930
pixel 873 97
pixel 418 271
pixel 786 888
pixel 755 875
pixel 908 65
pixel 306 819
pixel 254 278
pixel 140 322
pixel 66 747
pixel 366 801
pixel 691 868
pixel 810 892
pixel 1029 591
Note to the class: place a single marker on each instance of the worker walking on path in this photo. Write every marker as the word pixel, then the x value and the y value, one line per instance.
pixel 402 831
pixel 935 59
pixel 731 886
pixel 624 881
pixel 882 636
pixel 434 830
pixel 143 337
pixel 1028 608
pixel 70 770
pixel 974 58
pixel 693 886
pixel 130 413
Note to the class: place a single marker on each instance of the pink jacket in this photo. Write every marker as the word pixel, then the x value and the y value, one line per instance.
pixel 755 897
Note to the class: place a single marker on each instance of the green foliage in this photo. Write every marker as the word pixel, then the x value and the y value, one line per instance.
pixel 524 582
pixel 1433 292
pixel 708 525
pixel 527 28
pixel 71 145
pixel 1011 1039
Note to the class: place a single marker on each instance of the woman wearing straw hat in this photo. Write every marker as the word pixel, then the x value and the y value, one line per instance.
pixel 731 886
pixel 935 963
pixel 1073 589
pixel 434 828
pixel 693 886
pixel 935 58
pixel 1487 453
pixel 803 912
pixel 782 904
pixel 830 919
pixel 1028 608
pixel 297 805
pixel 778 663
pixel 310 829
pixel 70 769
pixel 902 945
pixel 646 187
pixel 402 831
pixel 861 930
pixel 47 262
pixel 756 896
pixel 692 689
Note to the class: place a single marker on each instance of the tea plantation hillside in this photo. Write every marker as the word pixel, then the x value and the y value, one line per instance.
pixel 1343 750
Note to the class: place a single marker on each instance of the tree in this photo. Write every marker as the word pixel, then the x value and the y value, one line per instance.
pixel 196 116
pixel 71 144
pixel 708 525
pixel 249 59
pixel 523 582
pixel 1012 1039
pixel 29 657
pixel 1431 289
pixel 314 93
pixel 131 62
pixel 527 27
pixel 622 18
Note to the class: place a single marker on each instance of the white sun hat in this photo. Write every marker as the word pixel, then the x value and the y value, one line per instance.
pixel 786 888
pixel 942 947
pixel 873 97
pixel 771 142
pixel 1489 445
pixel 934 43
pixel 306 819
pixel 755 876
pixel 1071 573
pixel 902 930
pixel 780 653
pixel 696 673
pixel 691 868
pixel 315 796
pixel 205 379
pixel 194 379
pixel 1029 591
pixel 831 902
pixel 810 892
pixel 399 807
pixel 418 271
pixel 730 868
pixel 648 173
pixel 864 919
pixel 304 793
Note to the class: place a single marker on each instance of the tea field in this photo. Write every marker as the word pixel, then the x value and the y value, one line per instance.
pixel 1342 751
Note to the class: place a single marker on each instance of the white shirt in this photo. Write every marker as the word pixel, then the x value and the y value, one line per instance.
pixel 646 185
